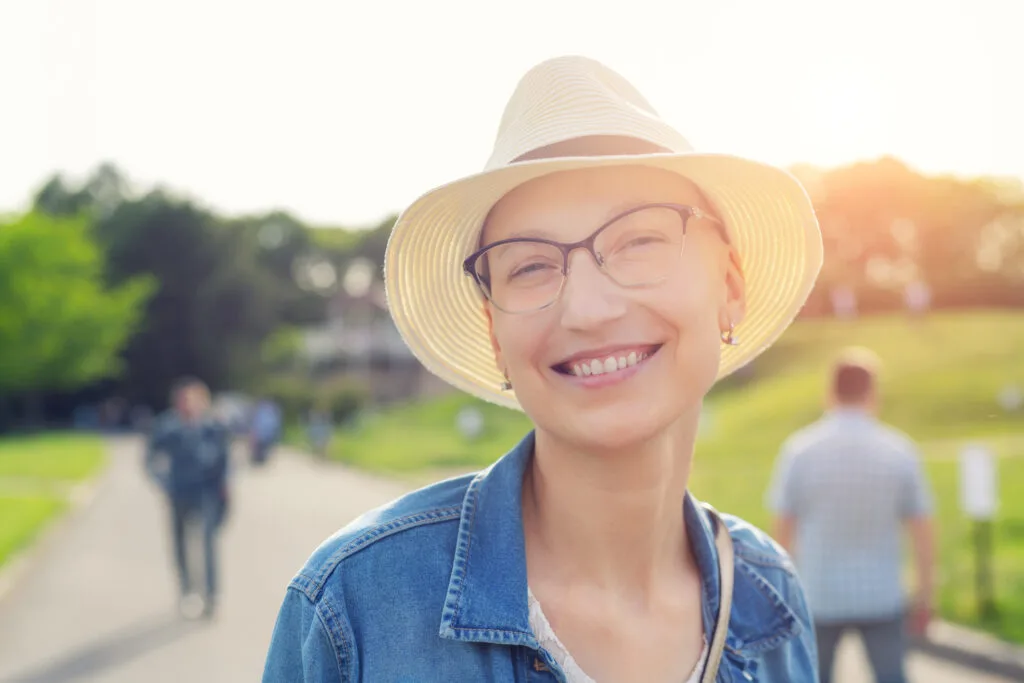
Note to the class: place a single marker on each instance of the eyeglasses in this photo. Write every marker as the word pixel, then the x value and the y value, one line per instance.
pixel 637 248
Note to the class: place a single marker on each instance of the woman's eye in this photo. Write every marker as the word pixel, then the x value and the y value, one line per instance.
pixel 530 268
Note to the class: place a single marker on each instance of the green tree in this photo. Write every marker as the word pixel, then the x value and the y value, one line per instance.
pixel 215 305
pixel 60 327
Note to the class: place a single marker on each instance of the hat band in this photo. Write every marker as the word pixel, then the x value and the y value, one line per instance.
pixel 593 146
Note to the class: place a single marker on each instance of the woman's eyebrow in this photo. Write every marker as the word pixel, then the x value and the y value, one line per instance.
pixel 622 207
pixel 612 212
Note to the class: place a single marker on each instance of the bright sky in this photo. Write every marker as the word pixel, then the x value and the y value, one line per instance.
pixel 342 111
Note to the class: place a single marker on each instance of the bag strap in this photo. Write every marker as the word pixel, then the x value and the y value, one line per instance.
pixel 723 544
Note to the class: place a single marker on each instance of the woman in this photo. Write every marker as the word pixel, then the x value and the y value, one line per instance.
pixel 557 282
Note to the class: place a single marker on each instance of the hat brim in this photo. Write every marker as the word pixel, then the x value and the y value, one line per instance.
pixel 439 311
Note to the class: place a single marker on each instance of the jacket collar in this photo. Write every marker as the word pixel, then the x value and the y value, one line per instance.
pixel 487 593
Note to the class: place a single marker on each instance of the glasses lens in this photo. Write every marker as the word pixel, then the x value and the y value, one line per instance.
pixel 521 276
pixel 642 247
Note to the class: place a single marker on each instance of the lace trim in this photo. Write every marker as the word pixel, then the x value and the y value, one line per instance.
pixel 573 673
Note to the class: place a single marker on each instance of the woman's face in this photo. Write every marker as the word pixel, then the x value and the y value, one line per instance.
pixel 676 323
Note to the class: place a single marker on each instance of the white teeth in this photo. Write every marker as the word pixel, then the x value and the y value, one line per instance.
pixel 610 364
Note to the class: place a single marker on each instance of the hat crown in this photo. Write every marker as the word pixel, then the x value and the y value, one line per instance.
pixel 573 97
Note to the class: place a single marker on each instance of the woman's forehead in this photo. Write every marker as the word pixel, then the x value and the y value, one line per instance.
pixel 589 195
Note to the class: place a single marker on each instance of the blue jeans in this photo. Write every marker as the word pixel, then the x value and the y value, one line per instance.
pixel 261 449
pixel 197 512
pixel 884 640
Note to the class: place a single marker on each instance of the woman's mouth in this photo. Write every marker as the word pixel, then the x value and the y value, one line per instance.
pixel 604 364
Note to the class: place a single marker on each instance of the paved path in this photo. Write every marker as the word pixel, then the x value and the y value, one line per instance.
pixel 99 603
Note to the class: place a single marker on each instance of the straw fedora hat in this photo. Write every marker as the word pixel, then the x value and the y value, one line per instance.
pixel 438 309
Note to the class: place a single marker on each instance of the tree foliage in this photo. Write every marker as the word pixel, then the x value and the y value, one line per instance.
pixel 232 295
pixel 60 326
pixel 885 226
pixel 225 285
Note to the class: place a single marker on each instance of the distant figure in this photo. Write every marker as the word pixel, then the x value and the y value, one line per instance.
pixel 265 430
pixel 918 298
pixel 141 419
pixel 188 455
pixel 319 430
pixel 843 490
pixel 844 302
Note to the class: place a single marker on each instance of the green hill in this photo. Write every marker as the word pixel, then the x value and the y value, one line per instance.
pixel 941 382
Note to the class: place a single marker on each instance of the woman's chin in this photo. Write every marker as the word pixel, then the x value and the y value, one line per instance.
pixel 621 431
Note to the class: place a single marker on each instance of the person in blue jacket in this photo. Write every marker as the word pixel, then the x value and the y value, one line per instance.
pixel 188 456
pixel 600 276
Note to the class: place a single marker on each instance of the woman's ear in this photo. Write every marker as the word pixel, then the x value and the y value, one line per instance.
pixel 495 346
pixel 735 301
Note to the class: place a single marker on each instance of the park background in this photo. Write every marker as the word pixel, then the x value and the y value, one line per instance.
pixel 211 194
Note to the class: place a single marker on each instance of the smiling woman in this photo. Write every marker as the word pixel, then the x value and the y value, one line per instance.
pixel 600 276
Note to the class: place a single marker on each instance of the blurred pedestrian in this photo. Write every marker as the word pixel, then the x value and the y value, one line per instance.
pixel 265 431
pixel 917 296
pixel 187 456
pixel 843 490
pixel 319 430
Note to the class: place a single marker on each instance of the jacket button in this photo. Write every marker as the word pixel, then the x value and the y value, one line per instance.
pixel 538 665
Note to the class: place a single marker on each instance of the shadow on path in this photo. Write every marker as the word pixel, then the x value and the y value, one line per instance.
pixel 1006 663
pixel 118 648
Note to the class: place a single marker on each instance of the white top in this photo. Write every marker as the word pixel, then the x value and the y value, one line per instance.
pixel 573 673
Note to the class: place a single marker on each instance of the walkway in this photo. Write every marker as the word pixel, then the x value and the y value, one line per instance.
pixel 99 604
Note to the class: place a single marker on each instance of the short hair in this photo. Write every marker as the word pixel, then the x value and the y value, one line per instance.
pixel 189 383
pixel 854 375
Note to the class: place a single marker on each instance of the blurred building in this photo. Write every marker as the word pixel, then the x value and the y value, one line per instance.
pixel 360 340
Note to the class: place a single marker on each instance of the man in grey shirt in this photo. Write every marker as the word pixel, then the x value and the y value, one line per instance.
pixel 843 491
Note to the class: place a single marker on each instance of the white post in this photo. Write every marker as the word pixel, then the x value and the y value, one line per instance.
pixel 979 500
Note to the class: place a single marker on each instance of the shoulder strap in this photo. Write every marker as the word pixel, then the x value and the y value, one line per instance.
pixel 723 544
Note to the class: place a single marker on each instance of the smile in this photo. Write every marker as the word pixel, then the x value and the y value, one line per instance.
pixel 606 363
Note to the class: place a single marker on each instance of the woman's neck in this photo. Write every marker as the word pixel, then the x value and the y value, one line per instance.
pixel 610 520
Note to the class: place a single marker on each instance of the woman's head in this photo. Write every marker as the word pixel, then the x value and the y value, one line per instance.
pixel 616 352
pixel 576 147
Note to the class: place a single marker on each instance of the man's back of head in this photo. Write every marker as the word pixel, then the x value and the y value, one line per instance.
pixel 855 379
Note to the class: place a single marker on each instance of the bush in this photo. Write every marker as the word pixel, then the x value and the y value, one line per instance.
pixel 297 396
pixel 342 399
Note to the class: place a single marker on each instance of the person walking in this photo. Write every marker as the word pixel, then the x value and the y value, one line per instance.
pixel 265 431
pixel 187 455
pixel 319 430
pixel 842 492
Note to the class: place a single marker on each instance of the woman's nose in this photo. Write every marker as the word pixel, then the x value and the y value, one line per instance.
pixel 589 297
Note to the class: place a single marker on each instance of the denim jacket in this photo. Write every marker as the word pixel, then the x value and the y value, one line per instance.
pixel 433 587
pixel 188 459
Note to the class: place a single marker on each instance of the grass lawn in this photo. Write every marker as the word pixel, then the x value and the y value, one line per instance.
pixel 941 380
pixel 62 457
pixel 34 473
pixel 23 517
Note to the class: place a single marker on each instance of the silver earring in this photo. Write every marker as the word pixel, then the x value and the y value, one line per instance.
pixel 728 338
pixel 507 384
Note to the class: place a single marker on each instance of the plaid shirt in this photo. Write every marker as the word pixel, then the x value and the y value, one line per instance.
pixel 849 482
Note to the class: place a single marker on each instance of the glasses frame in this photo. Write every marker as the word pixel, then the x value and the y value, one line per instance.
pixel 685 211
